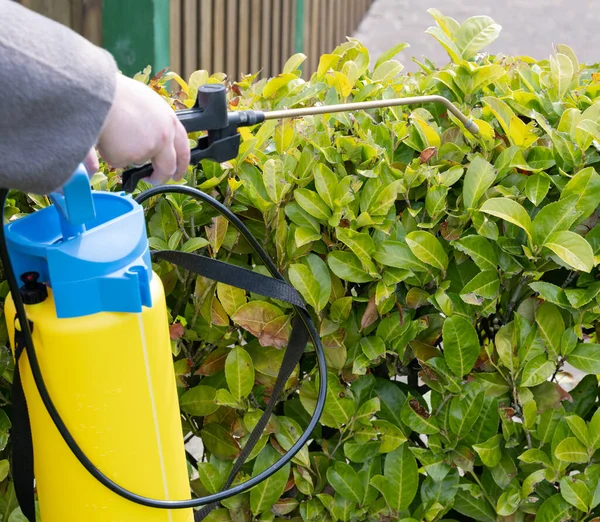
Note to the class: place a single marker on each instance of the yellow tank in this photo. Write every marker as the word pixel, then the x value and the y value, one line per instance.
pixel 100 333
pixel 110 376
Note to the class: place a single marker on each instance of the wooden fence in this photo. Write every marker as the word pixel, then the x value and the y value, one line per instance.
pixel 231 36
pixel 245 36
pixel 84 16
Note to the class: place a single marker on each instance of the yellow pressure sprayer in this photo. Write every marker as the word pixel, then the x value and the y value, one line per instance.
pixel 94 392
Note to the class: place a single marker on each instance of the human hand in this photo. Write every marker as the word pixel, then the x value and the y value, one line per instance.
pixel 141 127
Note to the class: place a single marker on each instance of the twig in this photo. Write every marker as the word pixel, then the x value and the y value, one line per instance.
pixel 572 275
pixel 487 497
pixel 519 410
pixel 513 300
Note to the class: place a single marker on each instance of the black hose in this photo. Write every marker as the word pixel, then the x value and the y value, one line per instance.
pixel 64 431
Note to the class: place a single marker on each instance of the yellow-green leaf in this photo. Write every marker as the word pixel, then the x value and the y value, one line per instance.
pixel 510 211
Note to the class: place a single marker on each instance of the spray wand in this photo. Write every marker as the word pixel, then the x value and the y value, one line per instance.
pixel 222 141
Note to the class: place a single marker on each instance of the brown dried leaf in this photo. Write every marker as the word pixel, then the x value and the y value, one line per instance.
pixel 255 315
pixel 276 332
pixel 176 331
pixel 370 315
pixel 427 154
pixel 215 233
pixel 214 363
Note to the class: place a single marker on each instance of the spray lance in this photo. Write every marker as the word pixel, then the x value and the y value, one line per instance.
pixel 87 321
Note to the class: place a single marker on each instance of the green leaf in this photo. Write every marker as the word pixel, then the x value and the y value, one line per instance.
pixel 392 399
pixel 554 509
pixel 480 177
pixel 509 501
pixel 361 244
pixel 265 494
pixel 4 469
pixel 446 42
pixel 579 429
pixel 574 250
pixel 540 158
pixel 476 33
pixel 475 507
pixel 576 493
pixel 537 370
pixel 571 450
pixel 504 114
pixel 301 277
pixel 231 298
pixel 239 372
pixel 421 422
pixel 391 435
pixel 537 187
pixel 554 217
pixel 549 292
pixel 287 433
pixel 220 442
pixel 326 182
pixel 384 200
pixel 586 357
pixel 304 236
pixel 535 456
pixel 390 53
pixel 373 347
pixel 489 451
pixel 426 247
pixel 345 481
pixel 348 267
pixel 508 210
pixel 561 69
pixel 461 345
pixel 504 472
pixel 193 244
pixel 485 284
pixel 274 179
pixel 464 412
pixel 584 185
pixel 367 410
pixel 399 255
pixel 312 203
pixel 199 400
pixel 551 327
pixel 387 71
pixel 400 481
pixel 293 63
pixel 594 430
pixel 480 250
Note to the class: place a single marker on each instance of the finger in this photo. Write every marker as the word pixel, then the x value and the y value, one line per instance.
pixel 165 165
pixel 91 162
pixel 182 149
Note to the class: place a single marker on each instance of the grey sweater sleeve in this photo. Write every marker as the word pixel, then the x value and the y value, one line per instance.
pixel 56 94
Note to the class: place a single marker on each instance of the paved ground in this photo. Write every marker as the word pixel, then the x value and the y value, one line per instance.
pixel 529 27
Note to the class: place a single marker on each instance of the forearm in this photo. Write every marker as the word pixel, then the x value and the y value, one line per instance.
pixel 60 89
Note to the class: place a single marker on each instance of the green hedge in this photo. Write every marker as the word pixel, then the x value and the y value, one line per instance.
pixel 452 278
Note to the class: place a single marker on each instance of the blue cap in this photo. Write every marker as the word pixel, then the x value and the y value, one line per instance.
pixel 90 247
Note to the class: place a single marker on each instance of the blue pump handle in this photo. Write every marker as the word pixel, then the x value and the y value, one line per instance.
pixel 75 204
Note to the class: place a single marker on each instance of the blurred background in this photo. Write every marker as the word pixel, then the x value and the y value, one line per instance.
pixel 246 36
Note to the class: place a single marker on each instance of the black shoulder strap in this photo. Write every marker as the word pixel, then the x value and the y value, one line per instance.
pixel 23 472
pixel 260 284
pixel 21 439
